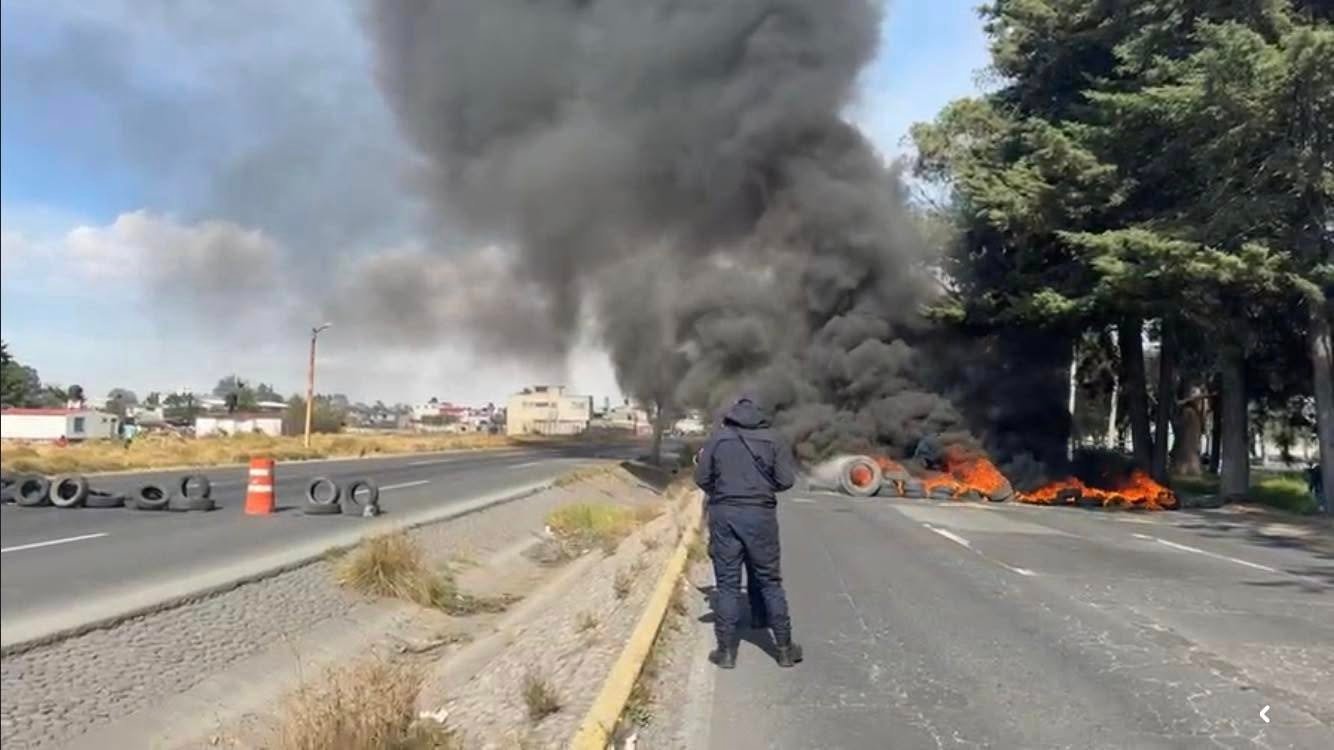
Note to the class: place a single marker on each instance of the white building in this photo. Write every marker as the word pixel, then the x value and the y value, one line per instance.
pixel 628 418
pixel 692 424
pixel 54 424
pixel 547 410
pixel 239 424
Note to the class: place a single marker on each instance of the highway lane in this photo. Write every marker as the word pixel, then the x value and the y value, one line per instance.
pixel 945 625
pixel 115 550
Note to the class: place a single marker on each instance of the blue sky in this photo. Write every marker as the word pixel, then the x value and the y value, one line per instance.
pixel 138 142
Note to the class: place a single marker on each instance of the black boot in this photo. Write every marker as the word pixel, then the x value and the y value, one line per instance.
pixel 724 657
pixel 789 655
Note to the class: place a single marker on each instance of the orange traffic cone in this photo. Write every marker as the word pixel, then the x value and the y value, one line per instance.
pixel 259 495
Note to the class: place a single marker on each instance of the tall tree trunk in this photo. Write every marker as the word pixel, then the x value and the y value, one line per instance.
pixel 1215 430
pixel 1188 428
pixel 1136 386
pixel 659 426
pixel 1235 446
pixel 1166 397
pixel 1321 344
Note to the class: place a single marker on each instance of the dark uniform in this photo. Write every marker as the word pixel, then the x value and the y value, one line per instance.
pixel 741 468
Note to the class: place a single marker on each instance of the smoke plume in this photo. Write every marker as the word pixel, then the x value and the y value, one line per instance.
pixel 679 172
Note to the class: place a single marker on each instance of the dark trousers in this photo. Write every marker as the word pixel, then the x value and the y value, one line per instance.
pixel 754 594
pixel 741 534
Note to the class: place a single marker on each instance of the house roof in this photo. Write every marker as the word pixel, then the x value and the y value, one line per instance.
pixel 44 412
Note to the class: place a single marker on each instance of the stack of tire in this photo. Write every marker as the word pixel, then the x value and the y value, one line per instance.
pixel 324 497
pixel 64 491
pixel 190 492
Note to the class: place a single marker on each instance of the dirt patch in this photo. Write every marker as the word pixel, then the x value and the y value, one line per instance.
pixel 482 679
pixel 571 644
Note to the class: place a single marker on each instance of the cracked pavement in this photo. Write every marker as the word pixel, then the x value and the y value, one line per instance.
pixel 950 625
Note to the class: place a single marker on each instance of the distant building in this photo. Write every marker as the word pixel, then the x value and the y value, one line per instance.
pixel 627 417
pixel 239 424
pixel 547 410
pixel 692 424
pixel 54 424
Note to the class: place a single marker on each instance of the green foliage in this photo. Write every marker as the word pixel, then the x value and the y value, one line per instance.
pixel 19 384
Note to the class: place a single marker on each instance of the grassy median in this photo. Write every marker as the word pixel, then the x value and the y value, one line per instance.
pixel 160 451
pixel 1285 490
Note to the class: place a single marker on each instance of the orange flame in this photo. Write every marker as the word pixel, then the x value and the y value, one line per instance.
pixel 1135 491
pixel 967 472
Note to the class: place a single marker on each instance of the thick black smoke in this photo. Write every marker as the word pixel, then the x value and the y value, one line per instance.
pixel 679 170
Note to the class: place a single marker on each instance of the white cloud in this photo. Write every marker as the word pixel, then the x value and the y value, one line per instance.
pixel 146 245
pixel 162 304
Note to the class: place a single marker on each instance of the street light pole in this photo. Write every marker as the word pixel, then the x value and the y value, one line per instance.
pixel 310 380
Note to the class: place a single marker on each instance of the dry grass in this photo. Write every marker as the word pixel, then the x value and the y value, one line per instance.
pixel 367 705
pixel 159 451
pixel 698 549
pixel 623 584
pixel 581 527
pixel 539 695
pixel 393 565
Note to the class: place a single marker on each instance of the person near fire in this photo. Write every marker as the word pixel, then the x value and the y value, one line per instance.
pixel 741 468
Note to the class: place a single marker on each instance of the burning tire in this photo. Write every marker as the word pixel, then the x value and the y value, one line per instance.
pixel 1002 494
pixel 69 491
pixel 913 489
pixel 860 477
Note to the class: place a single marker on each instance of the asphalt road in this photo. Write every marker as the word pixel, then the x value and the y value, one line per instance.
pixel 57 558
pixel 938 626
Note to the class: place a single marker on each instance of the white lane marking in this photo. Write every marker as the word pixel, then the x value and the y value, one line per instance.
pixel 1215 555
pixel 953 537
pixel 526 464
pixel 53 542
pixel 950 535
pixel 401 485
pixel 802 500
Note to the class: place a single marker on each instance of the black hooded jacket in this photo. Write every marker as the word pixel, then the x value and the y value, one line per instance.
pixel 745 462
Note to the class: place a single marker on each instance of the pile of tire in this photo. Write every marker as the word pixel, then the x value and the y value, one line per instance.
pixel 190 492
pixel 325 497
pixel 64 491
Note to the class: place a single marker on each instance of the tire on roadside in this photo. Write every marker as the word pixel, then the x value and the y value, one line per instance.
pixel 351 504
pixel 9 487
pixel 860 476
pixel 152 496
pixel 181 504
pixel 194 487
pixel 104 499
pixel 322 496
pixel 32 491
pixel 69 490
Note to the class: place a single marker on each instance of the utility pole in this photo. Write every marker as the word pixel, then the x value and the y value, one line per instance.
pixel 310 379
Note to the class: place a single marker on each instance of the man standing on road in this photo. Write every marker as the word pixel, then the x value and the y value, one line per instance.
pixel 741 468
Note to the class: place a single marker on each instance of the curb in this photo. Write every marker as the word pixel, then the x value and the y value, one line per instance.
pixel 596 729
pixel 38 631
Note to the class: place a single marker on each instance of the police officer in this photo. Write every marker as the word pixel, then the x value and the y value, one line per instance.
pixel 741 468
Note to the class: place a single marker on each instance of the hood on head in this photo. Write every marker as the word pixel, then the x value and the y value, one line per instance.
pixel 746 414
